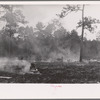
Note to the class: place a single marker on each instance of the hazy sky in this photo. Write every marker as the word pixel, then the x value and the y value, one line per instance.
pixel 44 13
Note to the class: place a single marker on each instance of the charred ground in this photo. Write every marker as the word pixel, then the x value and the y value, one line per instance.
pixel 58 73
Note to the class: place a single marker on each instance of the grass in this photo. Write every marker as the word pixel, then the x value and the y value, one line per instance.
pixel 58 73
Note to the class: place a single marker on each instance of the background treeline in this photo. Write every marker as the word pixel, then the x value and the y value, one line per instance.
pixel 47 43
pixel 43 42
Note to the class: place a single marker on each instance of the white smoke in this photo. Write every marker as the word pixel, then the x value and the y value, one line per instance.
pixel 66 54
pixel 14 65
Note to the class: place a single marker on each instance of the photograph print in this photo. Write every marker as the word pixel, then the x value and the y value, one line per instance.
pixel 50 43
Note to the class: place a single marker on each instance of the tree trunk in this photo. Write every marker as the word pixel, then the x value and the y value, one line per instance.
pixel 81 44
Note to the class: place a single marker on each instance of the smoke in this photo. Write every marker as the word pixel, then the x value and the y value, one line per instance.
pixel 66 54
pixel 13 65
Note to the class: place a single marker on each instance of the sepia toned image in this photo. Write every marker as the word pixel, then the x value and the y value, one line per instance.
pixel 50 43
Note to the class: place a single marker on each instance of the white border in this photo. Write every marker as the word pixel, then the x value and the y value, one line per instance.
pixel 48 2
pixel 49 91
pixel 46 91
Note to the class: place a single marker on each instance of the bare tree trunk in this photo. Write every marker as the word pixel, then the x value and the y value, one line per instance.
pixel 81 44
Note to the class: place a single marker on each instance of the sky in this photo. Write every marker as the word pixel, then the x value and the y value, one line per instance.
pixel 45 13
